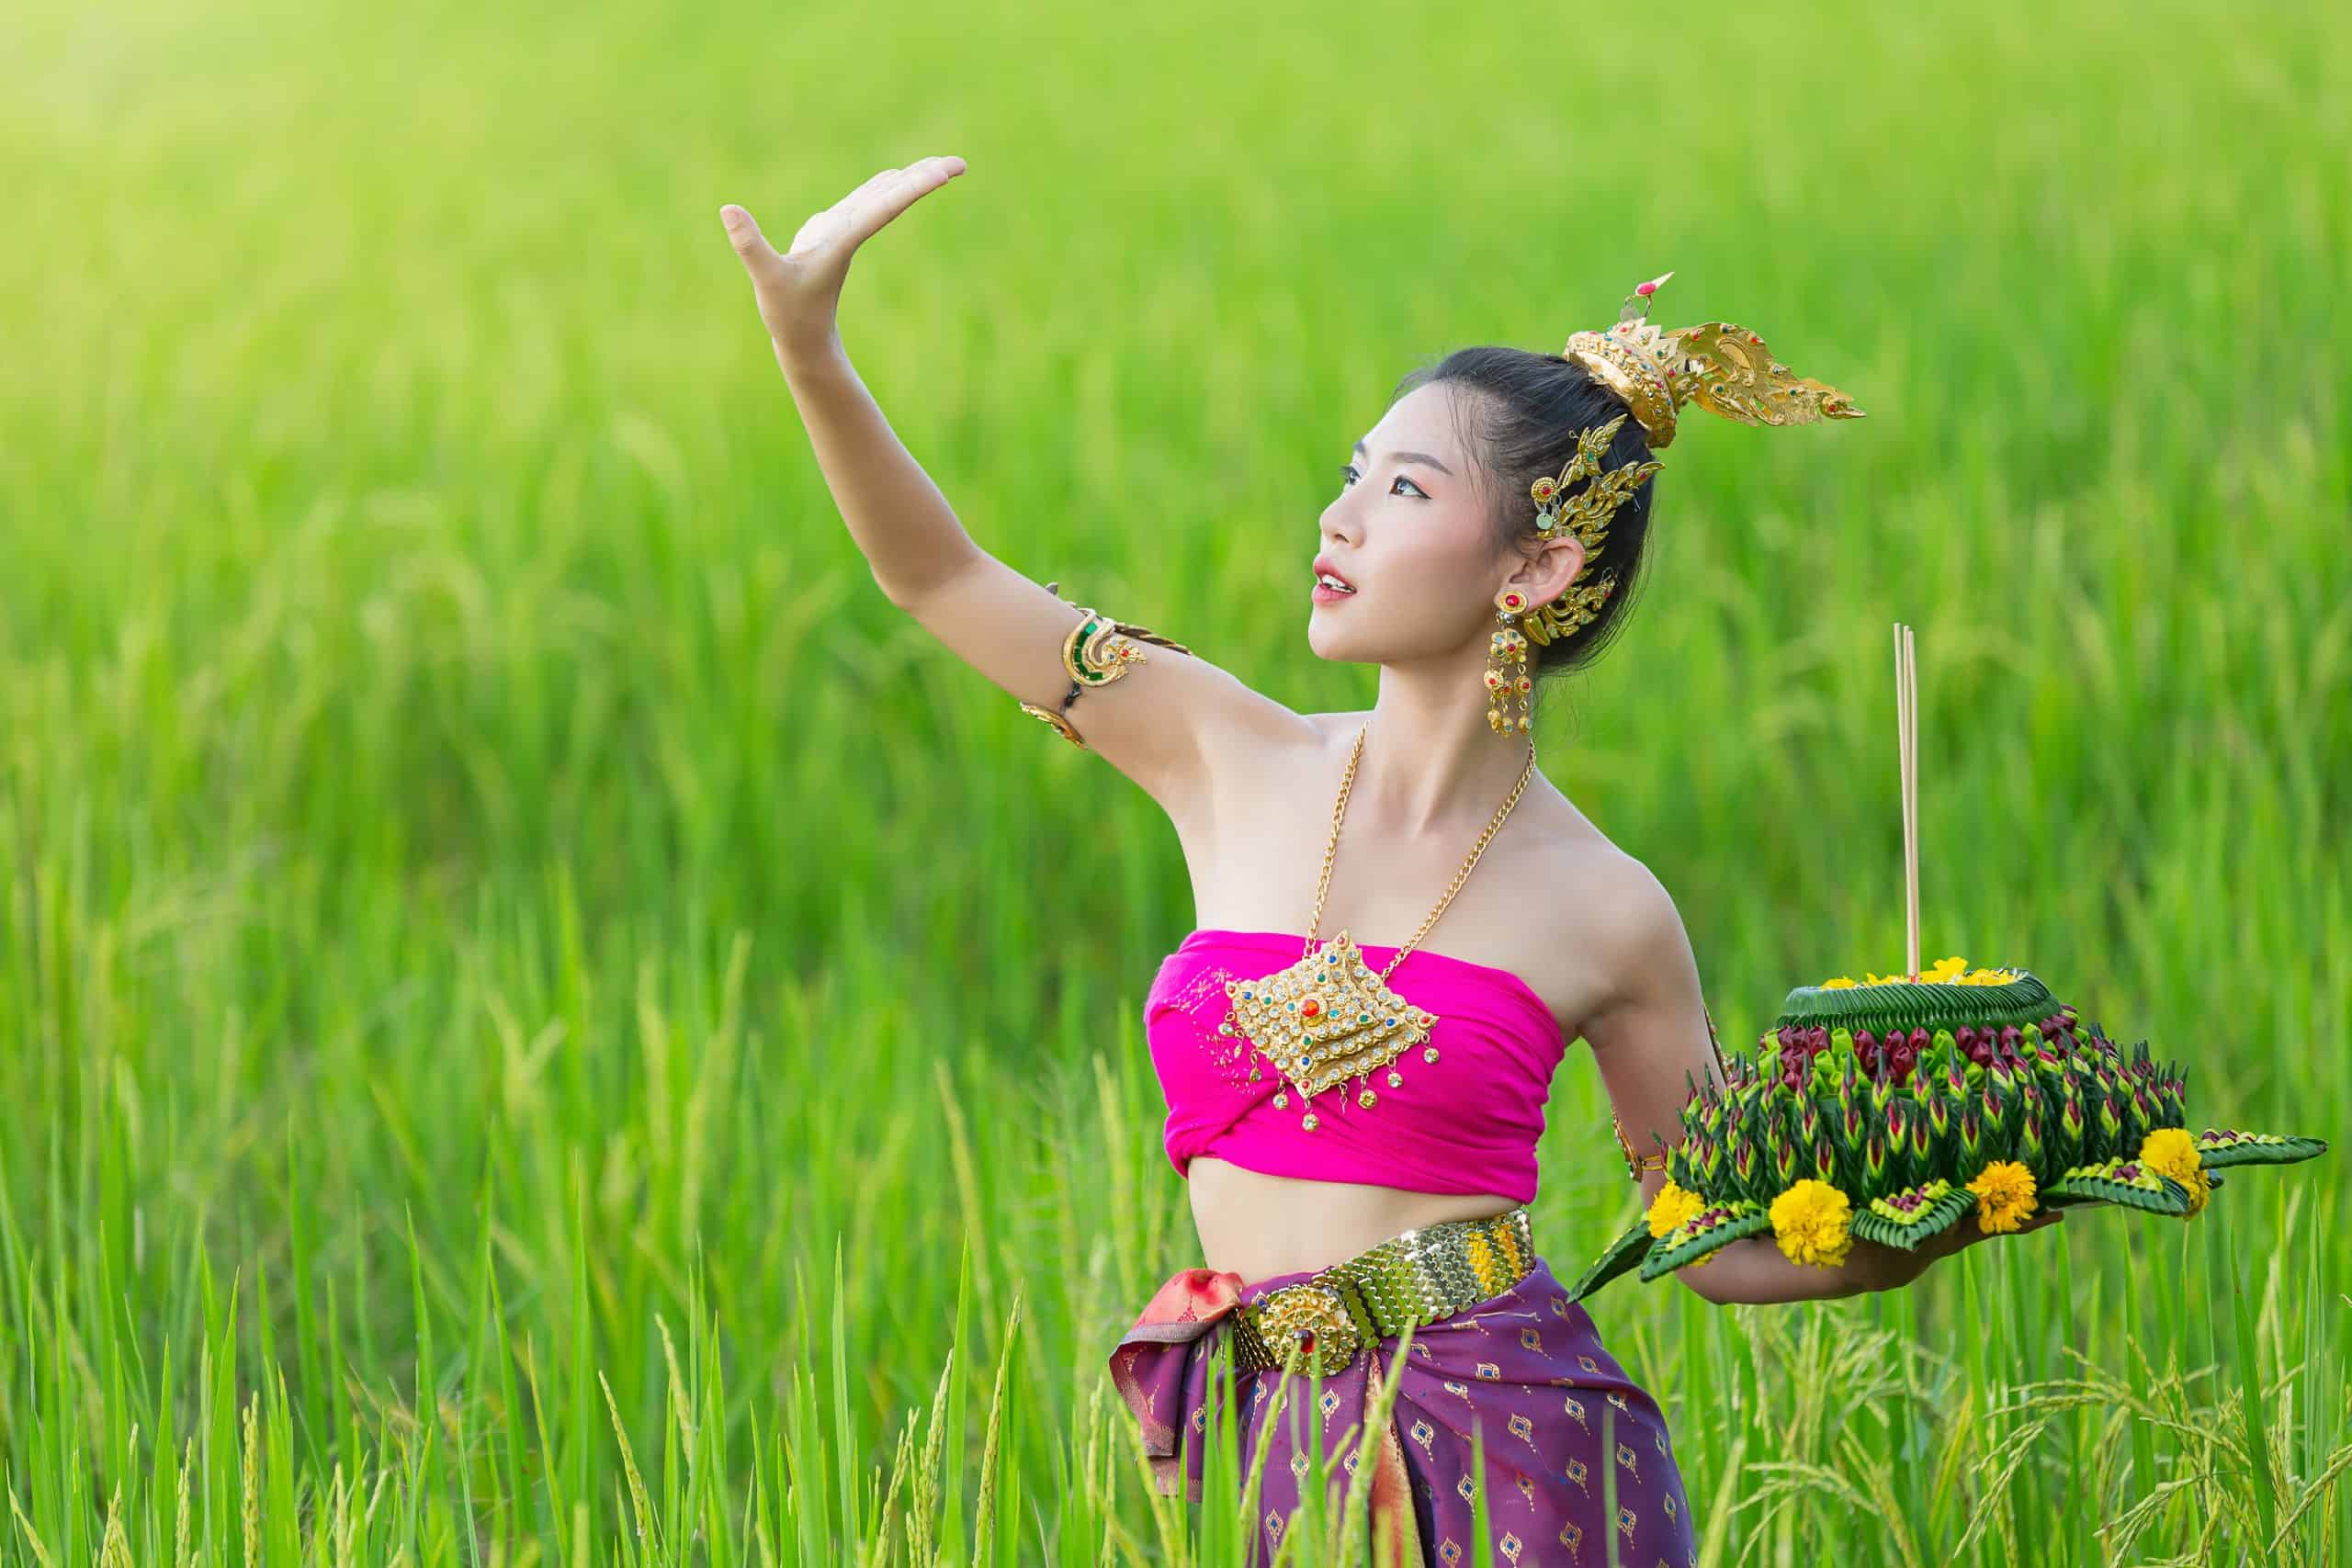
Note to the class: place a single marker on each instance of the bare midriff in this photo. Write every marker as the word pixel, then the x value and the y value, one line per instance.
pixel 1257 1226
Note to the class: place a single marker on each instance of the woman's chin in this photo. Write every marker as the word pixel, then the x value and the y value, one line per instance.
pixel 1327 642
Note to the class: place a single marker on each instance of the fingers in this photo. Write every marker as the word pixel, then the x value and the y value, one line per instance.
pixel 844 220
pixel 1951 1238
pixel 883 198
pixel 1971 1233
pixel 840 228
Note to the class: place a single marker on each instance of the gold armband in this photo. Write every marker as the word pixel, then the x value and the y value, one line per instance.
pixel 1097 651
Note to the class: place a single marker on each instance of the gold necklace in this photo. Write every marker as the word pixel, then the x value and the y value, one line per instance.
pixel 1328 1017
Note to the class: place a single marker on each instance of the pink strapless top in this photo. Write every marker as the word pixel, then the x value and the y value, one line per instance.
pixel 1466 1123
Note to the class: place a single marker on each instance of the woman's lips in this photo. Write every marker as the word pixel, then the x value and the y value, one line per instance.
pixel 1323 595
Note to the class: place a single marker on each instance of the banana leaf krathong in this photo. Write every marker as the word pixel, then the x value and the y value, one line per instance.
pixel 1896 1107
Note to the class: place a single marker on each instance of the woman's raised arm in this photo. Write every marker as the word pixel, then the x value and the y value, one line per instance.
pixel 1154 724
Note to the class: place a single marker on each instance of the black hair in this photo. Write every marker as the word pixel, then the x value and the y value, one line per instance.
pixel 1520 421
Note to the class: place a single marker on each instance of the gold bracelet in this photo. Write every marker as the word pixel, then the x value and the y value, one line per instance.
pixel 1635 1164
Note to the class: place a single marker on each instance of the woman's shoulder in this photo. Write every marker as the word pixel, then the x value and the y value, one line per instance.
pixel 1607 920
pixel 1585 869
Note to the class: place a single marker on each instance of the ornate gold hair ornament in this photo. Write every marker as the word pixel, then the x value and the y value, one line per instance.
pixel 1723 368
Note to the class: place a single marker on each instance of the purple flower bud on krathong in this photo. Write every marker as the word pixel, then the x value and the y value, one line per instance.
pixel 1964 1037
pixel 1920 1039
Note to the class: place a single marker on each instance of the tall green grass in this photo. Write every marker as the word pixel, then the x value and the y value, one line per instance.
pixel 542 1022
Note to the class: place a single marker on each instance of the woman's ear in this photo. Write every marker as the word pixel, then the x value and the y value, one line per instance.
pixel 1551 570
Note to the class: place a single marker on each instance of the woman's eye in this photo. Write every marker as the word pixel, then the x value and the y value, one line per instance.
pixel 1348 476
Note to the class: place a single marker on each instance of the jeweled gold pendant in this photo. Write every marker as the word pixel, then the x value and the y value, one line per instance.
pixel 1326 1018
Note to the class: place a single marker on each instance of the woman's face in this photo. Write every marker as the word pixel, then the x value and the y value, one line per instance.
pixel 1409 528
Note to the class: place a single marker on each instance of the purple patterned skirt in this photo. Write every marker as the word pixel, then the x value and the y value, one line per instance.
pixel 1560 1420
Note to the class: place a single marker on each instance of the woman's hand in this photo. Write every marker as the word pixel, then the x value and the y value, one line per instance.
pixel 799 291
pixel 1879 1267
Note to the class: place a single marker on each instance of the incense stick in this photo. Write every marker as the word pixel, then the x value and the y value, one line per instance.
pixel 1906 722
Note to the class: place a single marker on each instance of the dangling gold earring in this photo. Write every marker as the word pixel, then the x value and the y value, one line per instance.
pixel 1506 674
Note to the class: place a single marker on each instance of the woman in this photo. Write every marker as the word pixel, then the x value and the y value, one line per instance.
pixel 1366 1163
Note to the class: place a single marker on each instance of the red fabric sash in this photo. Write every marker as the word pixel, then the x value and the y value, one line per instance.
pixel 1157 1368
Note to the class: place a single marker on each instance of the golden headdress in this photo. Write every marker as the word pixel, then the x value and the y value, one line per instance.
pixel 1723 368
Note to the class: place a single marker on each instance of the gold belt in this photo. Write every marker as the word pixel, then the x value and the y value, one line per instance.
pixel 1417 1277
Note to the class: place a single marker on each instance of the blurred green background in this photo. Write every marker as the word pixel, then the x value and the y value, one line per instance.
pixel 495 899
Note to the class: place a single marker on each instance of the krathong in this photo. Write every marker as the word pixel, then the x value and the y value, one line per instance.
pixel 1892 1109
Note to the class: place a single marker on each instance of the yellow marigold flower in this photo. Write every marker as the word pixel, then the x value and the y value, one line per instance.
pixel 1952 971
pixel 2170 1151
pixel 1836 982
pixel 1673 1208
pixel 2004 1191
pixel 1810 1221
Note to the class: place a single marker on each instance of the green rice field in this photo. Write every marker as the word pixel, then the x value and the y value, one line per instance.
pixel 542 1022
